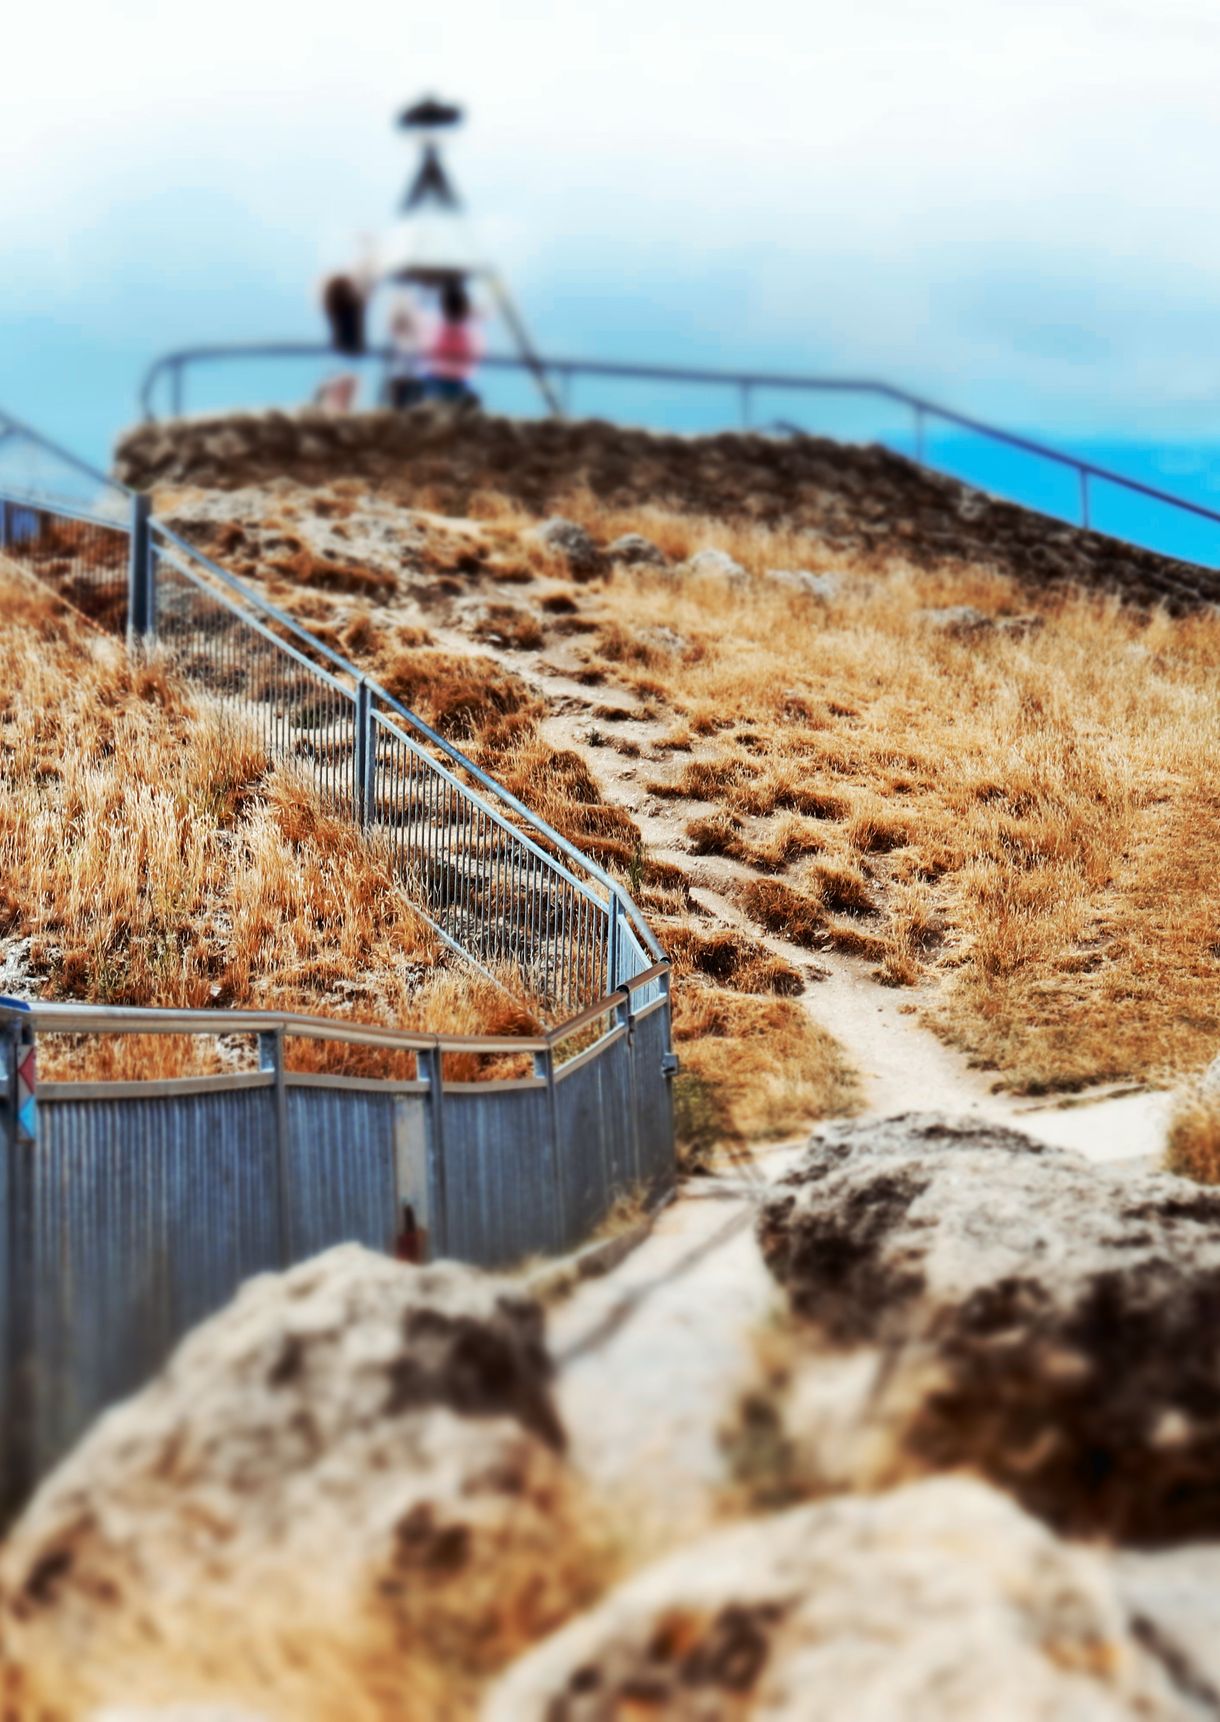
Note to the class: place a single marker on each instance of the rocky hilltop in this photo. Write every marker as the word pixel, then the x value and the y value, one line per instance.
pixel 851 497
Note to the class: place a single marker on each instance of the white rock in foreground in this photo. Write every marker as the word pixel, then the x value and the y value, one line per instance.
pixel 940 1602
pixel 351 1452
pixel 1033 1318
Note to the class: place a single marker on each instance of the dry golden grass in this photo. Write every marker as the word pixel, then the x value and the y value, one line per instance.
pixel 1192 1148
pixel 1031 815
pixel 150 859
pixel 753 1070
pixel 1017 822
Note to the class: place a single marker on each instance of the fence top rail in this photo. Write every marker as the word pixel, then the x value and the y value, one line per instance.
pixel 711 376
pixel 68 1018
pixel 44 502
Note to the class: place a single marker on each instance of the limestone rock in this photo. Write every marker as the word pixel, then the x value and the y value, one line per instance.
pixel 823 587
pixel 849 497
pixel 963 621
pixel 1034 1317
pixel 636 551
pixel 580 550
pixel 1173 1598
pixel 351 1447
pixel 664 639
pixel 717 563
pixel 940 1601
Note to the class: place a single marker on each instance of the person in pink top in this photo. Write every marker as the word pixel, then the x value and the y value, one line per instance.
pixel 452 349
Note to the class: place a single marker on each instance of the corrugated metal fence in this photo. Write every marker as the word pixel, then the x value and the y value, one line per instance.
pixel 131 1210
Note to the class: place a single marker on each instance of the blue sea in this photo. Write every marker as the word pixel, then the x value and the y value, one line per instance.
pixel 87 400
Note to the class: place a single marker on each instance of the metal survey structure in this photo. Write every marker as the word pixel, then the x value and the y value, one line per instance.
pixel 130 1210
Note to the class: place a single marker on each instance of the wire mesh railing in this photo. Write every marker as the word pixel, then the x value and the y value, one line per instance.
pixel 490 890
pixel 499 885
pixel 80 557
pixel 296 710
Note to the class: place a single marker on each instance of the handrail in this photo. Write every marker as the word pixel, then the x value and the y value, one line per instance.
pixel 71 1018
pixel 562 858
pixel 345 667
pixel 744 381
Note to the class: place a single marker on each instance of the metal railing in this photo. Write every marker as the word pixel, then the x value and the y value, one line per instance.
pixel 131 1210
pixel 499 885
pixel 168 374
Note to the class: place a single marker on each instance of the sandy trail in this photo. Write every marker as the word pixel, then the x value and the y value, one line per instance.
pixel 902 1065
pixel 653 1356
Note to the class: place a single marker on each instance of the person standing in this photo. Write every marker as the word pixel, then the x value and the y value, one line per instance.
pixel 452 348
pixel 403 387
pixel 343 303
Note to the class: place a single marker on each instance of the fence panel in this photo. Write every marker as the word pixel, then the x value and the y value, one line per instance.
pixel 498 1175
pixel 595 1133
pixel 632 959
pixel 341 1178
pixel 491 890
pixel 83 559
pixel 137 1218
pixel 297 711
pixel 11 1459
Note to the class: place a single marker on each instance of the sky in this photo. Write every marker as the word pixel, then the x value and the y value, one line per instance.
pixel 1007 204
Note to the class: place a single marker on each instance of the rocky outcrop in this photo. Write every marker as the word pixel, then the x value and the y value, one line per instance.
pixel 846 496
pixel 633 550
pixel 361 1441
pixel 718 563
pixel 578 548
pixel 1025 1315
pixel 823 588
pixel 941 1601
pixel 965 622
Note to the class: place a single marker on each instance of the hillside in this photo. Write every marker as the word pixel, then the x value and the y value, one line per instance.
pixel 149 857
pixel 914 1419
pixel 857 501
pixel 805 727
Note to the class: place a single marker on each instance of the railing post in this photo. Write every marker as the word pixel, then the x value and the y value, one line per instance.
pixel 612 943
pixel 919 442
pixel 4 523
pixel 745 405
pixel 271 1058
pixel 141 593
pixel 175 392
pixel 18 1144
pixel 624 1017
pixel 364 793
pixel 1084 498
pixel 430 1072
pixel 544 1067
